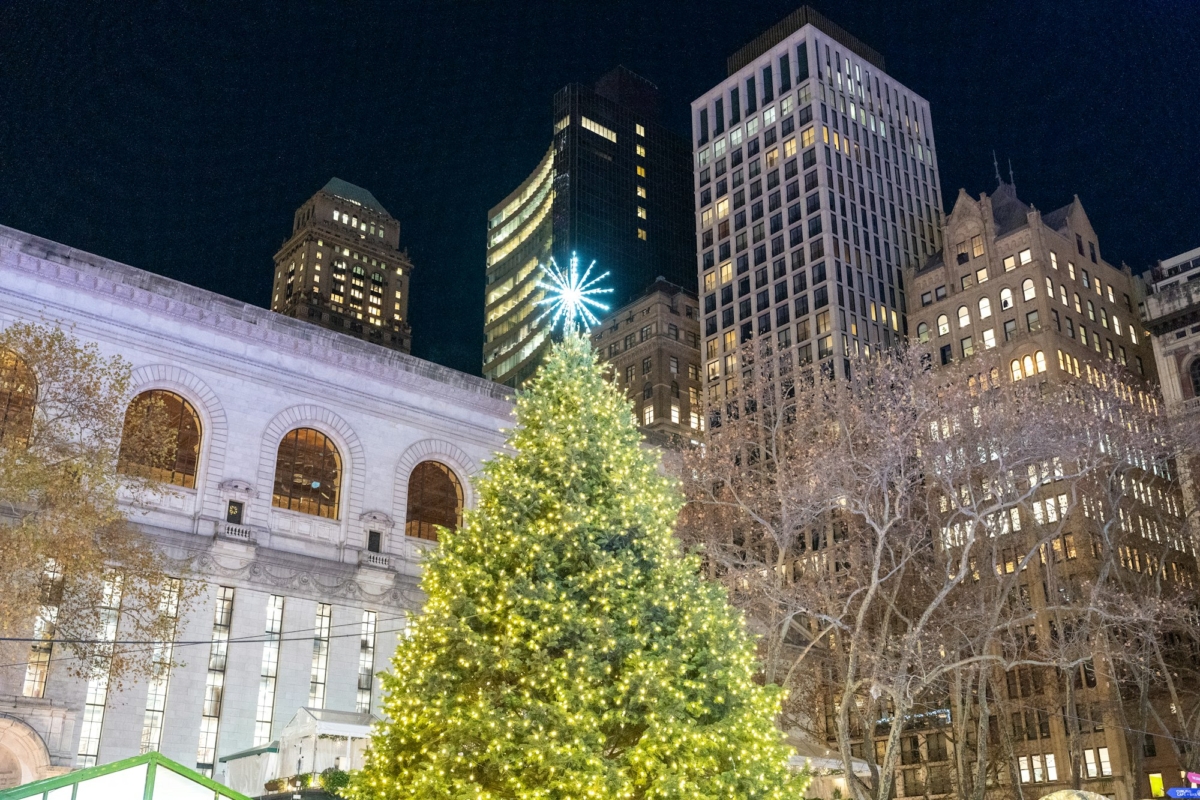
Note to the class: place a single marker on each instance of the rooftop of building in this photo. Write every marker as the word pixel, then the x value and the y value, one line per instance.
pixel 1009 213
pixel 355 194
pixel 1185 264
pixel 804 15
pixel 233 317
pixel 660 285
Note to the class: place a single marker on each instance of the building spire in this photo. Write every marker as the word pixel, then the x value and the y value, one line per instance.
pixel 996 167
pixel 1012 181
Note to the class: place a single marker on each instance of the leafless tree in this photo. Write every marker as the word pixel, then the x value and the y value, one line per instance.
pixel 885 535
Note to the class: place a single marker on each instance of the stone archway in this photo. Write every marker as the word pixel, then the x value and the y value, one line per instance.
pixel 23 754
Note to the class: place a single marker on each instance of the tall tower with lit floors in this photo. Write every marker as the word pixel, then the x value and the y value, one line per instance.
pixel 342 268
pixel 614 187
pixel 816 185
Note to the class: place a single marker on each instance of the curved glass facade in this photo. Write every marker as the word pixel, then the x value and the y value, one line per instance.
pixel 520 236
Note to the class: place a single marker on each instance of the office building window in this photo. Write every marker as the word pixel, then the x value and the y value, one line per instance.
pixel 366 661
pixel 160 670
pixel 96 698
pixel 320 659
pixel 38 667
pixel 269 672
pixel 214 682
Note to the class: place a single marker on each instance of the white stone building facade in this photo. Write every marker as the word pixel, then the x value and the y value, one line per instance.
pixel 252 377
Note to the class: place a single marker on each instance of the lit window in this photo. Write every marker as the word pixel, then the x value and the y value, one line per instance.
pixel 1010 264
pixel 647 414
pixel 435 500
pixel 964 317
pixel 976 246
pixel 642 234
pixel 985 308
pixel 641 151
pixel 598 129
pixel 723 208
pixel 710 281
pixel 1025 256
pixel 18 391
pixel 1040 358
pixel 308 474
pixel 923 332
pixel 726 272
pixel 807 138
pixel 943 325
pixel 1028 291
pixel 159 413
pixel 772 157
pixel 989 338
pixel 789 148
pixel 675 413
pixel 641 212
pixel 641 191
pixel 1053 259
pixel 1006 299
pixel 1015 368
pixel 641 171
pixel 639 130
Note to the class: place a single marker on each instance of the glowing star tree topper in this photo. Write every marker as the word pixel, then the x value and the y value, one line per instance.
pixel 569 295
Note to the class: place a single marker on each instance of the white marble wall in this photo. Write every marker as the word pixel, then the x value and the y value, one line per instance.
pixel 253 376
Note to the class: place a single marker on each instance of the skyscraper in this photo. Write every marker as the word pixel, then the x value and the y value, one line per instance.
pixel 614 188
pixel 816 185
pixel 342 268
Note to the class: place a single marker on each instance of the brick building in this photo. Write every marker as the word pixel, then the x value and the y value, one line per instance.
pixel 652 345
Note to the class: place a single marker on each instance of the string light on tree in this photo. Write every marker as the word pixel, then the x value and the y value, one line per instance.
pixel 567 649
pixel 569 295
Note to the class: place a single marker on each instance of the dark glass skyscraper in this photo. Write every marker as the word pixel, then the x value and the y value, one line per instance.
pixel 615 187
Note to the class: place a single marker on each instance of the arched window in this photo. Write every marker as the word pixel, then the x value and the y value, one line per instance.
pixel 923 331
pixel 161 439
pixel 308 474
pixel 1015 366
pixel 1027 363
pixel 435 499
pixel 1194 372
pixel 1050 289
pixel 1078 308
pixel 964 317
pixel 943 323
pixel 1006 299
pixel 674 389
pixel 985 308
pixel 647 391
pixel 18 394
pixel 1028 291
pixel 1062 294
pixel 1091 310
pixel 1040 358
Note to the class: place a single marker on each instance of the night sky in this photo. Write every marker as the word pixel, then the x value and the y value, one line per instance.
pixel 181 138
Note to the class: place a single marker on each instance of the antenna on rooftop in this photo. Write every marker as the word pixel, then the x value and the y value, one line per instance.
pixel 1012 181
pixel 996 166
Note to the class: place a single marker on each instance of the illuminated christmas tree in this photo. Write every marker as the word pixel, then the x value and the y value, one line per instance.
pixel 567 648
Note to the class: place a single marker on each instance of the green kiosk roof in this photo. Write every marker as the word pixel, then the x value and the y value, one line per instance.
pixel 146 777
